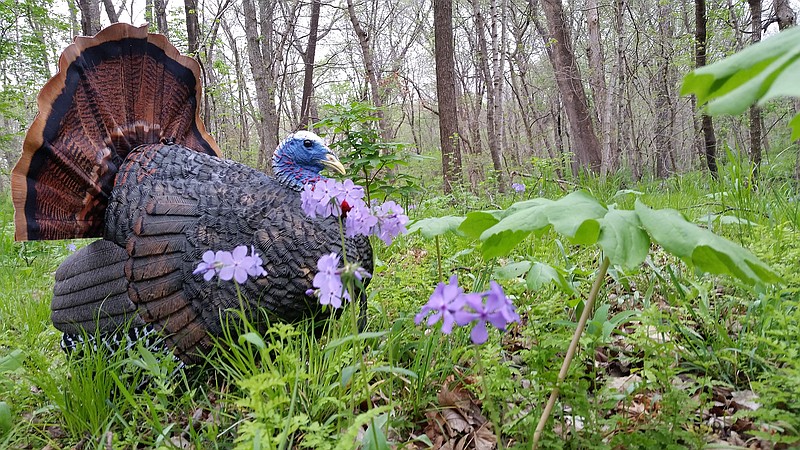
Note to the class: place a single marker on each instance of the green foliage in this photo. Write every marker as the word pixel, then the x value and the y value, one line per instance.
pixel 370 161
pixel 757 74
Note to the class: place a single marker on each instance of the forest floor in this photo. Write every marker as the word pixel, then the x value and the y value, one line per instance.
pixel 670 359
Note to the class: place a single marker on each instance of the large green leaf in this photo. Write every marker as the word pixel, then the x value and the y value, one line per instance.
pixel 758 73
pixel 436 226
pixel 477 222
pixel 574 216
pixel 623 240
pixel 701 248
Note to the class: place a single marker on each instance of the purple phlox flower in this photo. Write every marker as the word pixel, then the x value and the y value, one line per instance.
pixel 450 303
pixel 325 196
pixel 328 281
pixel 211 264
pixel 307 201
pixel 256 270
pixel 359 220
pixel 445 302
pixel 236 265
pixel 350 193
pixel 71 247
pixel 491 306
pixel 391 221
pixel 518 187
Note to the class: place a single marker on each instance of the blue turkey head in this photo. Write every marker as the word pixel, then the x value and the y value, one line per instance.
pixel 300 158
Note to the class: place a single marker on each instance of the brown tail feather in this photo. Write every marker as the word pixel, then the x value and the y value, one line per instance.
pixel 113 92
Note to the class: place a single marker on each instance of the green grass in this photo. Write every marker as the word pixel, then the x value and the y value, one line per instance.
pixel 687 342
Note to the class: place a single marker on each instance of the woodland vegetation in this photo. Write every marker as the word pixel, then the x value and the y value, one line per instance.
pixel 463 111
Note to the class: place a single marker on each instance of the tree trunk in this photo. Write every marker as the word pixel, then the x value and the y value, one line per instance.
pixel 586 145
pixel 707 125
pixel 260 51
pixel 193 26
pixel 160 7
pixel 444 54
pixel 308 59
pixel 755 111
pixel 113 17
pixel 90 16
pixel 369 67
pixel 599 87
pixel 664 116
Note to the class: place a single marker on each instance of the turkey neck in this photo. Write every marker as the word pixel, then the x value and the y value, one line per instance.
pixel 293 175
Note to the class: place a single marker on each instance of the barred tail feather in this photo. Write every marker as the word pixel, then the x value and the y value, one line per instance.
pixel 113 92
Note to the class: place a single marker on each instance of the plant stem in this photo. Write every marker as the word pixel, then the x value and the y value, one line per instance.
pixel 438 258
pixel 573 347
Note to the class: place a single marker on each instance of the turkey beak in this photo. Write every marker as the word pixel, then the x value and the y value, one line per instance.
pixel 332 162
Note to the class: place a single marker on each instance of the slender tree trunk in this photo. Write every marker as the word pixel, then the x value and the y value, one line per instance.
pixel 113 17
pixel 193 26
pixel 755 111
pixel 568 78
pixel 664 116
pixel 599 86
pixel 90 16
pixel 160 7
pixel 707 124
pixel 260 51
pixel 444 54
pixel 369 67
pixel 243 103
pixel 308 59
pixel 75 26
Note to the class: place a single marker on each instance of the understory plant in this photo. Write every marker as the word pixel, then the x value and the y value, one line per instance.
pixel 624 238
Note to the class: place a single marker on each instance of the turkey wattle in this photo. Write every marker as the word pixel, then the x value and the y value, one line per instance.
pixel 118 151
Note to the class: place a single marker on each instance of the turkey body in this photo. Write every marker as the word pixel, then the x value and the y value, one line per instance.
pixel 118 151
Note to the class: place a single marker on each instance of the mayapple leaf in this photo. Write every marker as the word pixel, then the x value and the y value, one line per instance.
pixel 477 222
pixel 5 418
pixel 724 77
pixel 513 270
pixel 575 216
pixel 701 248
pixel 623 240
pixel 542 274
pixel 436 226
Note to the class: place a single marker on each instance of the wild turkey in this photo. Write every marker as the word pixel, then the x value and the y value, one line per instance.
pixel 118 151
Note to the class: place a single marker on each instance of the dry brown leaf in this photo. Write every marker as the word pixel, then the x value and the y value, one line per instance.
pixel 745 399
pixel 624 384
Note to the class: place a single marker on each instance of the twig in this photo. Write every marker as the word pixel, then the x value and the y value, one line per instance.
pixel 573 347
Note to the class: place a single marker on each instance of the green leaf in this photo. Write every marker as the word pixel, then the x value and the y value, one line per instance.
pixel 5 418
pixel 542 274
pixel 758 73
pixel 513 270
pixel 477 222
pixel 374 437
pixel 351 338
pixel 623 240
pixel 575 216
pixel 436 226
pixel 254 339
pixel 12 361
pixel 701 248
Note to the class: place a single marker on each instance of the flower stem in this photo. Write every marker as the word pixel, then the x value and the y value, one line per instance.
pixel 573 347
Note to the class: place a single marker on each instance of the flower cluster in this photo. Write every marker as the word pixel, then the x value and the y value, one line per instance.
pixel 453 306
pixel 328 280
pixel 236 265
pixel 518 187
pixel 333 198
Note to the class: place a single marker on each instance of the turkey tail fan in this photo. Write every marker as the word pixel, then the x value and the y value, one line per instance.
pixel 113 92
